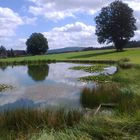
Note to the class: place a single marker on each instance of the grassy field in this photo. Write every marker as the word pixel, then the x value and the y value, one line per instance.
pixel 132 54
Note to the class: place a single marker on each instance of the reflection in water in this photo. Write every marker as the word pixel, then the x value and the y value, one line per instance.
pixel 58 86
pixel 21 103
pixel 38 72
pixel 3 68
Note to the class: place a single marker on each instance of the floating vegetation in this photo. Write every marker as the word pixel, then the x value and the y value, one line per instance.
pixel 90 69
pixel 99 78
pixel 4 87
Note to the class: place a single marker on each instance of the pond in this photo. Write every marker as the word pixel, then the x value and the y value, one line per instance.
pixel 46 85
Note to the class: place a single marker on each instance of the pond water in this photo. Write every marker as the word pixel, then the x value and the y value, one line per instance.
pixel 47 85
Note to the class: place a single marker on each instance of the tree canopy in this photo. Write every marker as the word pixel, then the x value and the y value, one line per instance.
pixel 3 52
pixel 37 44
pixel 116 24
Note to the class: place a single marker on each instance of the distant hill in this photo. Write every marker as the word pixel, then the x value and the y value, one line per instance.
pixel 67 49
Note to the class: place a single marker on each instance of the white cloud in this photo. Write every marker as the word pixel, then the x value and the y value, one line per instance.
pixel 137 35
pixel 135 4
pixel 29 21
pixel 15 43
pixel 53 15
pixel 9 21
pixel 19 44
pixel 77 34
pixel 60 9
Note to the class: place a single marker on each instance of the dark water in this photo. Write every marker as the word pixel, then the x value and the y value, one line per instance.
pixel 48 85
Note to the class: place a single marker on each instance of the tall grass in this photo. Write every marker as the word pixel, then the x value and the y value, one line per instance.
pixel 66 134
pixel 97 128
pixel 124 99
pixel 24 122
pixel 126 65
pixel 103 93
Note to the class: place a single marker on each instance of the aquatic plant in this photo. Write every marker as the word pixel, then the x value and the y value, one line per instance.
pixel 99 78
pixel 125 100
pixel 4 87
pixel 103 93
pixel 90 69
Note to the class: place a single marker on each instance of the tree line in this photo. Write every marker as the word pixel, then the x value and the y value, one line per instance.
pixel 11 53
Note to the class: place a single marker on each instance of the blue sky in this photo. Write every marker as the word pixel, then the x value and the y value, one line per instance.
pixel 65 23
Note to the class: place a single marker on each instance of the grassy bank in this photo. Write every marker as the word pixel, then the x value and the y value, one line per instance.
pixel 95 55
pixel 97 128
pixel 51 125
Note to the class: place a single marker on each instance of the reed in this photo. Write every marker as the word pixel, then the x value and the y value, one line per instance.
pixel 126 65
pixel 126 101
pixel 24 122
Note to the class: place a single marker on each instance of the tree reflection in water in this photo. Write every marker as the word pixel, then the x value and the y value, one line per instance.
pixel 3 68
pixel 38 72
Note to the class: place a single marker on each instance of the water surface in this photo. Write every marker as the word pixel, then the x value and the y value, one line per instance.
pixel 47 85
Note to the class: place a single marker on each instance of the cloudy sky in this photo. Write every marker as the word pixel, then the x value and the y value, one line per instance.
pixel 65 23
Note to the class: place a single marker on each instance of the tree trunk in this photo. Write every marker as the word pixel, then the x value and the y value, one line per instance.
pixel 119 44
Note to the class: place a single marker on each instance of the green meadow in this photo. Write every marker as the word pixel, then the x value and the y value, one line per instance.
pixel 132 54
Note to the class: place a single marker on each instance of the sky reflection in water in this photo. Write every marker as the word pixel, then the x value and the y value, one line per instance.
pixel 42 86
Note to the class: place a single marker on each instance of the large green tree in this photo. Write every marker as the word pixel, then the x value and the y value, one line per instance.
pixel 116 24
pixel 37 44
